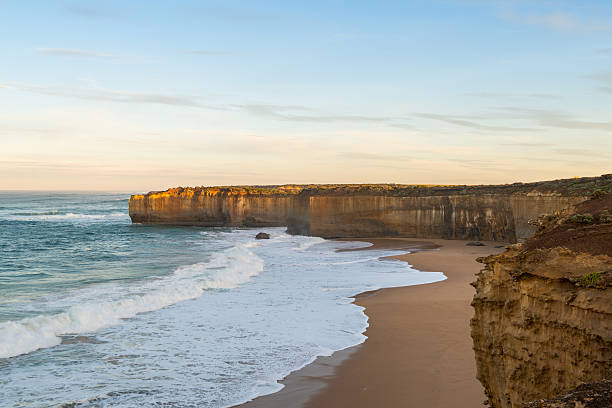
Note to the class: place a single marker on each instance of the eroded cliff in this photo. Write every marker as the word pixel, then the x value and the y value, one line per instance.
pixel 543 309
pixel 499 213
pixel 216 206
pixel 480 216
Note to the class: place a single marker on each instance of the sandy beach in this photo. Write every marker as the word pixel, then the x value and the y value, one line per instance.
pixel 418 352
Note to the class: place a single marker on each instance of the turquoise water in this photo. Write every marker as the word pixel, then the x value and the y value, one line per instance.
pixel 54 243
pixel 97 312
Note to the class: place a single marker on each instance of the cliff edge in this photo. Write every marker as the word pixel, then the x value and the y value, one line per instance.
pixel 543 311
pixel 496 213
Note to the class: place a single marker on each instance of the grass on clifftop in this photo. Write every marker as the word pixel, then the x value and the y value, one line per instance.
pixel 596 187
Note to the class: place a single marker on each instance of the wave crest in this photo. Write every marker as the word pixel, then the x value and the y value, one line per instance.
pixel 71 217
pixel 226 270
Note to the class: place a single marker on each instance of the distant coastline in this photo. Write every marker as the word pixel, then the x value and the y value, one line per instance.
pixel 495 213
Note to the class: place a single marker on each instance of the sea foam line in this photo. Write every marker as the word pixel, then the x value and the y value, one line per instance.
pixel 58 216
pixel 226 269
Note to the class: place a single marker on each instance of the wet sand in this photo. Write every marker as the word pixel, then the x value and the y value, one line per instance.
pixel 418 352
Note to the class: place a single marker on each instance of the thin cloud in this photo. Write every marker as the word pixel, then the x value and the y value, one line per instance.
pixel 134 97
pixel 373 156
pixel 545 96
pixel 605 76
pixel 239 15
pixel 101 94
pixel 208 52
pixel 558 21
pixel 581 152
pixel 8 131
pixel 563 22
pixel 527 144
pixel 458 121
pixel 47 165
pixel 485 94
pixel 404 126
pixel 556 119
pixel 507 95
pixel 476 163
pixel 577 124
pixel 298 114
pixel 89 12
pixel 69 52
pixel 605 51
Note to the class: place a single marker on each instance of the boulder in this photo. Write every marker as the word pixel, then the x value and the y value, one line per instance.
pixel 262 235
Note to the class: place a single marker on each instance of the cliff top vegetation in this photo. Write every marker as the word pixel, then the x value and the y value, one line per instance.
pixel 582 186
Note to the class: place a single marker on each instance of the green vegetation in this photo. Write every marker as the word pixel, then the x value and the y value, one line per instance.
pixel 605 217
pixel 551 218
pixel 581 186
pixel 580 219
pixel 590 279
pixel 597 194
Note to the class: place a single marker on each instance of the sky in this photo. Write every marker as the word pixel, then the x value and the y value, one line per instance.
pixel 145 95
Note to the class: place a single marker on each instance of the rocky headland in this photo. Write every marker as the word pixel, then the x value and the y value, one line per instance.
pixel 493 213
pixel 543 313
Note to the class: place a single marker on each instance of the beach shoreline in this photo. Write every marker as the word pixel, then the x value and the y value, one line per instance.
pixel 418 350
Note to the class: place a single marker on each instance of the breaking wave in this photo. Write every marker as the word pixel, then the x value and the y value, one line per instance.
pixel 58 216
pixel 307 243
pixel 226 270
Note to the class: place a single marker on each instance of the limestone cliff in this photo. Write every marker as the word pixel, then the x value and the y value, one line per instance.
pixel 543 309
pixel 500 213
pixel 479 216
pixel 216 206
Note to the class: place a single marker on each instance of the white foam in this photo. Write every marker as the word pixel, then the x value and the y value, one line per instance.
pixel 252 244
pixel 56 216
pixel 224 347
pixel 308 242
pixel 226 269
pixel 354 261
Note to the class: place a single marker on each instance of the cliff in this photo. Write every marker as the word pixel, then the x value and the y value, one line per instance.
pixel 500 212
pixel 216 206
pixel 543 311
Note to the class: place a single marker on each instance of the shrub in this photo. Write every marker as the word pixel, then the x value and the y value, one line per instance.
pixel 605 216
pixel 581 219
pixel 590 279
pixel 596 194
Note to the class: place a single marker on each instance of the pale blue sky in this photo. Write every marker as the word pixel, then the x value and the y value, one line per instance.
pixel 139 95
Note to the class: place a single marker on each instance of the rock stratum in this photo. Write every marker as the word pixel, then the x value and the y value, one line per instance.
pixel 542 328
pixel 494 213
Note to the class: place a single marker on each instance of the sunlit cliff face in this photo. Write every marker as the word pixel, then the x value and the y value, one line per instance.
pixel 497 213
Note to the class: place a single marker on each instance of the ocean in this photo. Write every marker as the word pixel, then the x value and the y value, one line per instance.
pixel 98 312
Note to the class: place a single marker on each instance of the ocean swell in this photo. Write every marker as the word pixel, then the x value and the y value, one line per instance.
pixel 225 270
pixel 59 216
